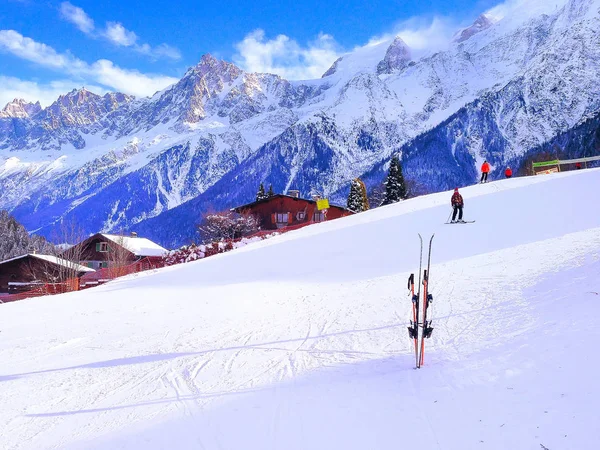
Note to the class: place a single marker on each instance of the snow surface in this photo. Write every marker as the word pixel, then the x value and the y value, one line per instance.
pixel 54 260
pixel 300 341
pixel 137 245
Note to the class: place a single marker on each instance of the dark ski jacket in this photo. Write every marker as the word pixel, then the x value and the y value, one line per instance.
pixel 457 199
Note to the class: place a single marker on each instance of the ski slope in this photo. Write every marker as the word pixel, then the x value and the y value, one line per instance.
pixel 300 341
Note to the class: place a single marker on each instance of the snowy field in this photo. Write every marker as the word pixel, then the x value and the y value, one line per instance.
pixel 300 341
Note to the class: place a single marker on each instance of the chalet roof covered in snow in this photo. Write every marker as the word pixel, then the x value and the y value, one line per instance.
pixel 54 260
pixel 137 245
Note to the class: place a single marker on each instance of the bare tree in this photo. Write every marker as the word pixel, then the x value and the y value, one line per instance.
pixel 377 195
pixel 68 253
pixel 414 188
pixel 227 226
pixel 63 267
pixel 119 257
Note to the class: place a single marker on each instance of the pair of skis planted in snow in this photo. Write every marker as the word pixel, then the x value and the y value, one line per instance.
pixel 419 308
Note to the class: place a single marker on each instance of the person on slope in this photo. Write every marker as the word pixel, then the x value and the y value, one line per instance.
pixel 457 204
pixel 508 172
pixel 485 169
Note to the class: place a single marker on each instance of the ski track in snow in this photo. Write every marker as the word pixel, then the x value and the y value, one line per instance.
pixel 320 358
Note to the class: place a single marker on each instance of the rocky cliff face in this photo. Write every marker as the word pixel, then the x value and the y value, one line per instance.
pixel 397 57
pixel 20 109
pixel 482 23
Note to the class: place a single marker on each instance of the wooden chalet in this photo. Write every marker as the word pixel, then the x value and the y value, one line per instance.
pixel 280 211
pixel 103 250
pixel 27 272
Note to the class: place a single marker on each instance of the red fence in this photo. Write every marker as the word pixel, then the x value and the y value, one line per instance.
pixel 103 275
pixel 90 279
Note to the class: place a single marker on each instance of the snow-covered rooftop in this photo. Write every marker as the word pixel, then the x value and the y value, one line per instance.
pixel 53 259
pixel 137 245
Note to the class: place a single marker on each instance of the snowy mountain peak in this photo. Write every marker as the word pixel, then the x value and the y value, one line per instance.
pixel 210 65
pixel 81 107
pixel 332 69
pixel 77 97
pixel 201 83
pixel 483 22
pixel 397 57
pixel 20 109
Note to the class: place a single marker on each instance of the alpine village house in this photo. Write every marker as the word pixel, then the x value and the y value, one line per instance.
pixel 279 211
pixel 103 250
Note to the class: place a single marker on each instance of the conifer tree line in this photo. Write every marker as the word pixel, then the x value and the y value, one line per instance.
pixel 395 189
pixel 16 241
pixel 261 194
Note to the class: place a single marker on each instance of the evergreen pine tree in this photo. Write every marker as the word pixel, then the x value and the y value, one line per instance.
pixel 395 187
pixel 357 199
pixel 270 193
pixel 353 203
pixel 260 195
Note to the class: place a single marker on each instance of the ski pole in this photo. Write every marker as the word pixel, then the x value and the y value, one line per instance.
pixel 450 215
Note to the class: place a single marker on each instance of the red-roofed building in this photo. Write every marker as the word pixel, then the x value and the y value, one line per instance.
pixel 105 250
pixel 280 211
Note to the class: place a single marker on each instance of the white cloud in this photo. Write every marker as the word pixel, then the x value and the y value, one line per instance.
pixel 285 57
pixel 115 33
pixel 33 91
pixel 30 50
pixel 119 35
pixel 521 10
pixel 160 51
pixel 423 36
pixel 128 81
pixel 77 16
pixel 102 71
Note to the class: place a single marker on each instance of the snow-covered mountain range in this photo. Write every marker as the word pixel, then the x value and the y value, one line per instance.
pixel 500 88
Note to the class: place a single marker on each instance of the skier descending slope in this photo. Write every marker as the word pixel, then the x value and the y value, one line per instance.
pixel 458 204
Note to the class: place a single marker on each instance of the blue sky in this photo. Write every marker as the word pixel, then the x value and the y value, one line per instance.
pixel 49 47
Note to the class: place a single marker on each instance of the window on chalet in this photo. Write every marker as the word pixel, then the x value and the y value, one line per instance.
pixel 102 247
pixel 301 215
pixel 104 264
pixel 282 217
pixel 318 216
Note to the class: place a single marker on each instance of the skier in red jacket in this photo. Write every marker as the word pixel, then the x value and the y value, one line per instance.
pixel 508 172
pixel 485 169
pixel 457 204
